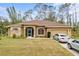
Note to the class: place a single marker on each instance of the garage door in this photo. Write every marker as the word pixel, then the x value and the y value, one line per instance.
pixel 61 31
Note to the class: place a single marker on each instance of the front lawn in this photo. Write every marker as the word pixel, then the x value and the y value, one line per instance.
pixel 34 47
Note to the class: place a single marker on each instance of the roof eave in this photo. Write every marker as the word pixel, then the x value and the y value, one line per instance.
pixel 60 26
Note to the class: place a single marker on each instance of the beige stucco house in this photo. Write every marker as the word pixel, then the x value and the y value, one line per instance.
pixel 38 28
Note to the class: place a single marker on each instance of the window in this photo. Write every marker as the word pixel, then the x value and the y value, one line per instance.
pixel 40 31
pixel 56 35
pixel 63 35
pixel 77 41
pixel 74 41
pixel 29 31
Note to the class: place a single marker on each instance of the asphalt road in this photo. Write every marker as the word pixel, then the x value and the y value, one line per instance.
pixel 76 53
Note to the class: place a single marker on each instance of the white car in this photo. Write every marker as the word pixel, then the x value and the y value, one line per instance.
pixel 73 44
pixel 61 37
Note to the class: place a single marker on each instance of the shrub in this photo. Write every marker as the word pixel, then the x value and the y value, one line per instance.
pixel 14 35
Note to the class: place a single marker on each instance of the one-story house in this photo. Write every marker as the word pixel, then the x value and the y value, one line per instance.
pixel 38 28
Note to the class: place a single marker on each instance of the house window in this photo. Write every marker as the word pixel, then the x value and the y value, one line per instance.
pixel 40 31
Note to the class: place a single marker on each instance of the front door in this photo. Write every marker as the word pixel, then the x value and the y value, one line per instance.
pixel 29 32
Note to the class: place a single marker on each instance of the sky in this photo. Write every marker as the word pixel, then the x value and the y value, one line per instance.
pixel 23 7
pixel 19 7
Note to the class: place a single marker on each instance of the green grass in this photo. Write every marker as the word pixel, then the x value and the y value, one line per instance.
pixel 35 47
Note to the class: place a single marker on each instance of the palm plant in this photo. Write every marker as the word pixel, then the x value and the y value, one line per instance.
pixel 12 14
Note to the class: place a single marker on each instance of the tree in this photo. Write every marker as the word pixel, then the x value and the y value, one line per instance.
pixel 52 13
pixel 3 22
pixel 12 14
pixel 41 10
pixel 61 13
pixel 67 5
pixel 75 14
pixel 45 12
pixel 19 17
pixel 64 12
pixel 28 15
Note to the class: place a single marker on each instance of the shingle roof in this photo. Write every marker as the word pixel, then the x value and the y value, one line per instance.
pixel 45 23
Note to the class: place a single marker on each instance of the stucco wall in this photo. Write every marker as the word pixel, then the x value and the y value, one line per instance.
pixel 22 31
pixel 12 31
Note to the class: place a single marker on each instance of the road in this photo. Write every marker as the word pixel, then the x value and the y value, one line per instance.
pixel 76 53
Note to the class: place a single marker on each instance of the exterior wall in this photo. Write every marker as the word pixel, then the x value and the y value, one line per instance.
pixel 22 31
pixel 12 32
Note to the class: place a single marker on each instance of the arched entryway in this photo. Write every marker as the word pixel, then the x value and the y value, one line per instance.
pixel 29 32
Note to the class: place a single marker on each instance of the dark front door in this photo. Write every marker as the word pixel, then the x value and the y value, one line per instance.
pixel 29 32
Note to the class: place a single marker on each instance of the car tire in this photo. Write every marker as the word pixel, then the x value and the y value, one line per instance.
pixel 69 46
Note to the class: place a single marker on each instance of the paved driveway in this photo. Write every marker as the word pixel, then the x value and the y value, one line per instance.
pixel 71 50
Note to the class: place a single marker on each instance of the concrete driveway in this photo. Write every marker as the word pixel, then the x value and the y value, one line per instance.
pixel 71 50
